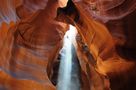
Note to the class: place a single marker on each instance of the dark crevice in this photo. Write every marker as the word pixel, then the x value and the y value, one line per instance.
pixel 55 71
pixel 70 10
pixel 126 53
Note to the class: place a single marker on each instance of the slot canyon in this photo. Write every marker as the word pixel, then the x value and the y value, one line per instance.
pixel 67 45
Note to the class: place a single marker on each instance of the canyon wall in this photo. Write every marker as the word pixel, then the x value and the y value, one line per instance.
pixel 29 45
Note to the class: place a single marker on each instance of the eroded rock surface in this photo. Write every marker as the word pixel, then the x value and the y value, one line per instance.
pixel 29 47
pixel 105 27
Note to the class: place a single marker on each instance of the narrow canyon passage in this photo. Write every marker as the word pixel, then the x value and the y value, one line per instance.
pixel 35 54
pixel 68 78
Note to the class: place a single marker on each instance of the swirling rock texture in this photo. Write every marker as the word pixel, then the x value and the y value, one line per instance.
pixel 29 45
pixel 31 33
pixel 106 42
